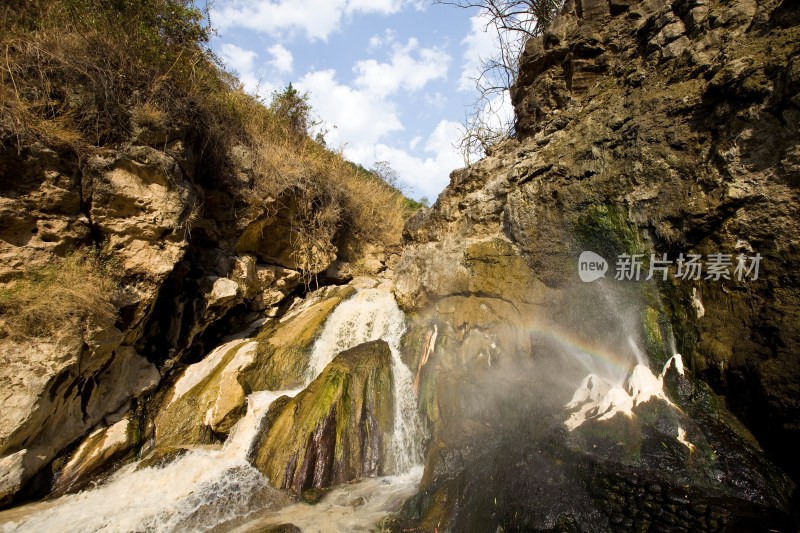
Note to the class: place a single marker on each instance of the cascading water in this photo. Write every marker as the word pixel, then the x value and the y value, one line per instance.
pixel 195 492
pixel 618 373
pixel 212 486
pixel 373 314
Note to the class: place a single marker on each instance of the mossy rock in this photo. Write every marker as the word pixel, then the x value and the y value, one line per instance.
pixel 314 496
pixel 161 457
pixel 284 347
pixel 336 430
pixel 607 230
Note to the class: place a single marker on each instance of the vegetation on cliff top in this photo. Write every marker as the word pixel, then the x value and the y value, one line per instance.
pixel 86 76
pixel 80 75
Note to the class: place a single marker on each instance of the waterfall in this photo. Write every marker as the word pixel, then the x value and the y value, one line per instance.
pixel 209 486
pixel 195 492
pixel 369 315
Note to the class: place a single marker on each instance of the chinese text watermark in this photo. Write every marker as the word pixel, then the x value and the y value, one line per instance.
pixel 635 267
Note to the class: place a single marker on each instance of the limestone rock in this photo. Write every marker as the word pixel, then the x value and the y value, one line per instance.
pixel 264 285
pixel 230 405
pixel 272 237
pixel 12 475
pixel 96 452
pixel 60 388
pixel 337 429
pixel 40 207
pixel 648 127
pixel 338 272
pixel 141 203
pixel 206 397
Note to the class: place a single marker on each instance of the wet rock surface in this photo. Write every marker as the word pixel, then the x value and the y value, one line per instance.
pixel 642 128
pixel 336 430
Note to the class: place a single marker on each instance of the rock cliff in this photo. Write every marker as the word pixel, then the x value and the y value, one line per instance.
pixel 643 127
pixel 192 258
pixel 647 130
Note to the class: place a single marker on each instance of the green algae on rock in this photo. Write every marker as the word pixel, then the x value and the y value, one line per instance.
pixel 338 429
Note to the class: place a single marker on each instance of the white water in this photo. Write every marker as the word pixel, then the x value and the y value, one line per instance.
pixel 600 398
pixel 369 315
pixel 209 486
pixel 352 507
pixel 200 489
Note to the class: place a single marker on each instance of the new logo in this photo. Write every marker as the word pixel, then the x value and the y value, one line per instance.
pixel 591 266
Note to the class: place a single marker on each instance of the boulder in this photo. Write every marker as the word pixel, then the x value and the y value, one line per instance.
pixel 206 398
pixel 60 388
pixel 284 346
pixel 95 454
pixel 264 285
pixel 338 429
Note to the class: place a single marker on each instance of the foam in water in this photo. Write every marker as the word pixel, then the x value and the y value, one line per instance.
pixel 204 487
pixel 352 507
pixel 210 486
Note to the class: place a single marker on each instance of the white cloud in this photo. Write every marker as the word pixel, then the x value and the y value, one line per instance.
pixel 359 116
pixel 317 19
pixel 427 173
pixel 378 40
pixel 384 7
pixel 242 62
pixel 480 44
pixel 436 100
pixel 282 58
pixel 409 68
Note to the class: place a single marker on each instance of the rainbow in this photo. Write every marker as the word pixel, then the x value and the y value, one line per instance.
pixel 619 364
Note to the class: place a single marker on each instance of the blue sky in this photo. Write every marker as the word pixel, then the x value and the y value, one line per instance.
pixel 389 78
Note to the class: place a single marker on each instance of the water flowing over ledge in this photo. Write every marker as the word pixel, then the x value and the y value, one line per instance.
pixel 212 487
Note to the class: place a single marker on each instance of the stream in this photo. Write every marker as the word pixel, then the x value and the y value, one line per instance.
pixel 215 488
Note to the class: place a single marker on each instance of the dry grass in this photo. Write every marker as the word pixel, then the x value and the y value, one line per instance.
pixel 44 299
pixel 79 74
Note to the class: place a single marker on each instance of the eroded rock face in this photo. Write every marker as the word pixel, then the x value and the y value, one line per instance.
pixel 173 242
pixel 210 396
pixel 133 203
pixel 40 208
pixel 284 345
pixel 643 127
pixel 337 429
pixel 206 398
pixel 59 389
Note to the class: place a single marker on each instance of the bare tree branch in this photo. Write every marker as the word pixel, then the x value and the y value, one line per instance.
pixel 512 22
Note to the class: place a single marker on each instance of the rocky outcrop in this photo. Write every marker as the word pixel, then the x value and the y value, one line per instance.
pixel 210 396
pixel 58 389
pixel 176 244
pixel 99 450
pixel 663 127
pixel 284 346
pixel 206 398
pixel 337 429
pixel 136 201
